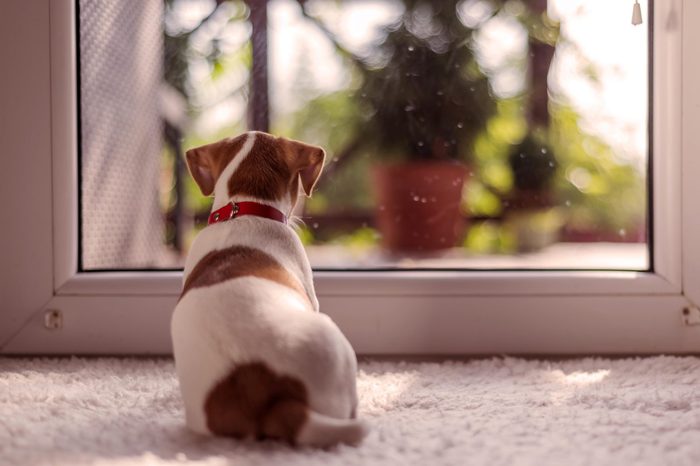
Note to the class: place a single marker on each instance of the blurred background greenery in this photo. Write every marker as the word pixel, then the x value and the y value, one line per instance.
pixel 483 83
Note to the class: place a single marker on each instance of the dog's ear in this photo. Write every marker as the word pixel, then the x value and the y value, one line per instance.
pixel 307 161
pixel 201 165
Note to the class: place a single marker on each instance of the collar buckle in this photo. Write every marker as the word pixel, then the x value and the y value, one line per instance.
pixel 235 209
pixel 219 215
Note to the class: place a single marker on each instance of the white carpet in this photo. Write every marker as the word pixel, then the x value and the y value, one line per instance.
pixel 488 412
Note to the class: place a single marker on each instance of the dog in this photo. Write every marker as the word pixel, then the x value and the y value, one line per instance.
pixel 254 356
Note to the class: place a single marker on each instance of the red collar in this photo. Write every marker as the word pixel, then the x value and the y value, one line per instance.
pixel 237 209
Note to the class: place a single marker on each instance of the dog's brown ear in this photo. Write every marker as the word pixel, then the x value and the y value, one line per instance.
pixel 307 161
pixel 201 166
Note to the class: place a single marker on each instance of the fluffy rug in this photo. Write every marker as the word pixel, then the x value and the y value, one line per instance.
pixel 490 412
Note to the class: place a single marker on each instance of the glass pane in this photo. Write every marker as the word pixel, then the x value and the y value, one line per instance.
pixel 483 134
pixel 472 133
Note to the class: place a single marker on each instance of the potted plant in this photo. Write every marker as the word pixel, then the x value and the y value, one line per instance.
pixel 531 210
pixel 425 100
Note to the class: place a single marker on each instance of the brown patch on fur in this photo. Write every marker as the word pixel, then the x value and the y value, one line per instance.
pixel 304 159
pixel 264 174
pixel 206 163
pixel 225 151
pixel 254 401
pixel 239 261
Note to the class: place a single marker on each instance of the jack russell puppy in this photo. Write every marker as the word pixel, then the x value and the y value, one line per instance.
pixel 254 357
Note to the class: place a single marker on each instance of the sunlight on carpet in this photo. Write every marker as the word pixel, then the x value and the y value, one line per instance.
pixel 505 411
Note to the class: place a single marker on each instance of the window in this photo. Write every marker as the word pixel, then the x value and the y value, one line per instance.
pixel 119 300
pixel 465 134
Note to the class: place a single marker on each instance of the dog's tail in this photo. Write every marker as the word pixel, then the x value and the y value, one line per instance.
pixel 324 431
pixel 254 401
pixel 293 421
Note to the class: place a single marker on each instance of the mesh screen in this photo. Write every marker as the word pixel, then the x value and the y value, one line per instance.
pixel 120 75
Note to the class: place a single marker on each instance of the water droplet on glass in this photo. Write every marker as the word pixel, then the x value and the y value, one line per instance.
pixel 411 48
pixel 472 89
pixel 416 198
pixel 423 200
pixel 440 93
pixel 544 151
pixel 622 232
pixel 421 143
pixel 568 203
pixel 409 108
pixel 460 125
pixel 551 164
pixel 522 155
pixel 315 225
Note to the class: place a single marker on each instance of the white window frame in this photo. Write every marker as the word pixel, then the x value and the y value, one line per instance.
pixel 458 312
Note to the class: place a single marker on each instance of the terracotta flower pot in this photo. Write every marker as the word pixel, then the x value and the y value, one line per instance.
pixel 418 205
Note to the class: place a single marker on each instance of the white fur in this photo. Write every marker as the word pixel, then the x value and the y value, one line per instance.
pixel 221 196
pixel 250 319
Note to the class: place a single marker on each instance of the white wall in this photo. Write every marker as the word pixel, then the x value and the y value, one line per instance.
pixel 25 171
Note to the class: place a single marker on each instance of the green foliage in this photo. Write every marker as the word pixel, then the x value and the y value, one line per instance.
pixel 361 238
pixel 598 190
pixel 350 188
pixel 424 96
pixel 480 201
pixel 602 192
pixel 493 146
pixel 329 120
pixel 490 237
pixel 483 195
pixel 305 235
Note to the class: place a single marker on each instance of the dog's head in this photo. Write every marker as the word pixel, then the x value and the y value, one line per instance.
pixel 256 165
